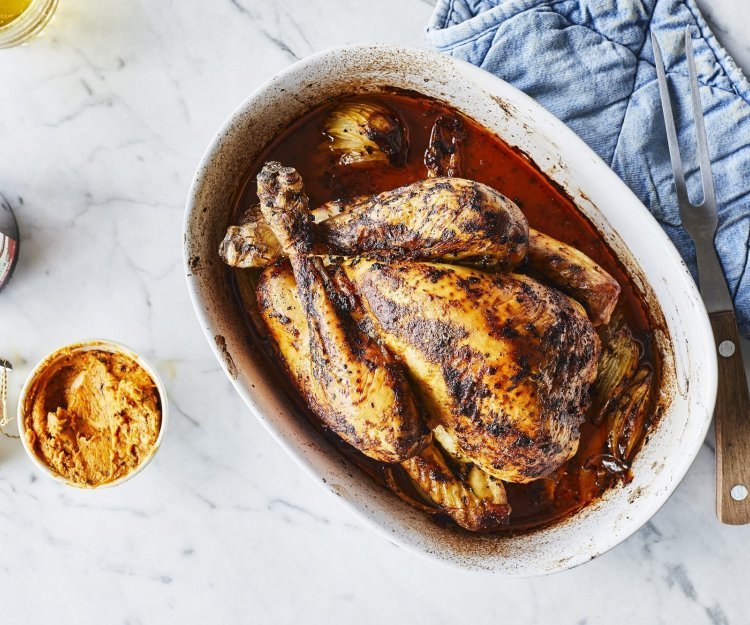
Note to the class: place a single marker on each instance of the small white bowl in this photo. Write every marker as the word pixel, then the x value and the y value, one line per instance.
pixel 91 345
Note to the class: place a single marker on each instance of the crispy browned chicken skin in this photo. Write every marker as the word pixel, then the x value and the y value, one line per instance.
pixel 445 219
pixel 442 218
pixel 355 385
pixel 501 363
pixel 472 498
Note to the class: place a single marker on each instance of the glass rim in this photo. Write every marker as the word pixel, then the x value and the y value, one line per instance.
pixel 34 18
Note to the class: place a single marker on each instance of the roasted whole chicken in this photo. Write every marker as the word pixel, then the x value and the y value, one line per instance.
pixel 402 323
pixel 433 330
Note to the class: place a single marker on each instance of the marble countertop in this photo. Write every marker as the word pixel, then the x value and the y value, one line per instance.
pixel 102 122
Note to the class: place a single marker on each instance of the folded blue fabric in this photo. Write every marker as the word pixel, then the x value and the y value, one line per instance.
pixel 590 62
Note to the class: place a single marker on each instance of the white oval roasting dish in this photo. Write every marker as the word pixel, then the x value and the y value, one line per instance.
pixel 683 334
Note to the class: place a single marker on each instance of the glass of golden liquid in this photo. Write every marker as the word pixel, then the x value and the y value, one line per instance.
pixel 21 19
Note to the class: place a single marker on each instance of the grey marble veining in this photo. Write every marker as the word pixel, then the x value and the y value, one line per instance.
pixel 729 19
pixel 102 122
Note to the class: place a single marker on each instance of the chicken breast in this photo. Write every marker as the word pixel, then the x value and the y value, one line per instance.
pixel 503 362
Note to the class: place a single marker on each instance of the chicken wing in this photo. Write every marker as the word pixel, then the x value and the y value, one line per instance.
pixel 575 274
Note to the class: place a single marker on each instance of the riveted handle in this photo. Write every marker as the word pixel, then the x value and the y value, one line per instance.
pixel 732 416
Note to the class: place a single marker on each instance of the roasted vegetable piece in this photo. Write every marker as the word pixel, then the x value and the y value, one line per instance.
pixel 395 475
pixel 622 394
pixel 617 364
pixel 475 501
pixel 364 132
pixel 481 482
pixel 627 413
pixel 449 444
pixel 443 155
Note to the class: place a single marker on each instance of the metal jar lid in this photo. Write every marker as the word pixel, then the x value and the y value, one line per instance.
pixel 9 242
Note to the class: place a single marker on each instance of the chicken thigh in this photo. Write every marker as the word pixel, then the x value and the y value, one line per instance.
pixel 354 385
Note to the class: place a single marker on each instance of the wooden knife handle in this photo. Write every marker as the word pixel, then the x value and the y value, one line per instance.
pixel 732 414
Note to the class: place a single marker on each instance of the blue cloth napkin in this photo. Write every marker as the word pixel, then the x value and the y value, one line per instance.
pixel 591 63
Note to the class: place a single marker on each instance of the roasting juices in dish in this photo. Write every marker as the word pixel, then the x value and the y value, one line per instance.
pixel 436 303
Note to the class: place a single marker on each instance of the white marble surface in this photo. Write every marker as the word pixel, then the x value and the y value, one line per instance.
pixel 102 121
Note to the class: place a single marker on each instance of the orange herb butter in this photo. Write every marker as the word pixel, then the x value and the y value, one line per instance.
pixel 92 416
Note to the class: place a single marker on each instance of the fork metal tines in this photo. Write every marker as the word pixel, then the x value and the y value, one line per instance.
pixel 699 220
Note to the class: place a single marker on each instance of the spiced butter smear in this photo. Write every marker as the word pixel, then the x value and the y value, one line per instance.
pixel 92 416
